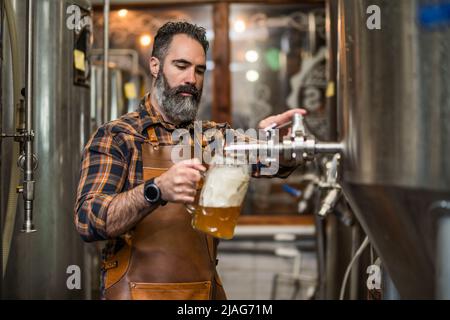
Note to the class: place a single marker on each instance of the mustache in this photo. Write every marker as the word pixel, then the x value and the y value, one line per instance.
pixel 187 88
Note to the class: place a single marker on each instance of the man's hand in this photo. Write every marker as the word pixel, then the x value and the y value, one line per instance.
pixel 281 119
pixel 179 183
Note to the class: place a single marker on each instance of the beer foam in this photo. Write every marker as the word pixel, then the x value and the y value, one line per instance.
pixel 224 187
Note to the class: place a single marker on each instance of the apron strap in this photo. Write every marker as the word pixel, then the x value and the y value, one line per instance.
pixel 152 136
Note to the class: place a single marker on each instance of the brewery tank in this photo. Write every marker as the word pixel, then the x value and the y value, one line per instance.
pixel 394 106
pixel 39 264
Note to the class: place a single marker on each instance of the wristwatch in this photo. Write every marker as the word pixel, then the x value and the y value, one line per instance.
pixel 152 193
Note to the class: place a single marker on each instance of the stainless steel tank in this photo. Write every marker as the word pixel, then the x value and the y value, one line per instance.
pixel 394 98
pixel 38 262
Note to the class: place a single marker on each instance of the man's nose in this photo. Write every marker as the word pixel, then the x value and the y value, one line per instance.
pixel 190 77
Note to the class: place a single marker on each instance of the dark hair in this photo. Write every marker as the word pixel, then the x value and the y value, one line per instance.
pixel 165 34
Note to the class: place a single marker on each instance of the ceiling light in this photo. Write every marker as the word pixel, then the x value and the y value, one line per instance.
pixel 251 56
pixel 122 13
pixel 252 75
pixel 145 40
pixel 239 26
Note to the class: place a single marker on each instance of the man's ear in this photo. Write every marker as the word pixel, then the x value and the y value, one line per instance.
pixel 154 66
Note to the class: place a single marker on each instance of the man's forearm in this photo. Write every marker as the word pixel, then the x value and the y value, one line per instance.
pixel 125 210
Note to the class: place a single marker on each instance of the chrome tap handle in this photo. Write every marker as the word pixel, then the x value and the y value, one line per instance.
pixel 298 126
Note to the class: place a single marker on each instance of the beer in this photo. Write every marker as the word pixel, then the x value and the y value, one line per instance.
pixel 218 205
pixel 218 222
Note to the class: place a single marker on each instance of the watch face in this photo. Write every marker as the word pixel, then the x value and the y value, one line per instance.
pixel 151 193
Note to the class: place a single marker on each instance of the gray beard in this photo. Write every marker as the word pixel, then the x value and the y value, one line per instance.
pixel 177 108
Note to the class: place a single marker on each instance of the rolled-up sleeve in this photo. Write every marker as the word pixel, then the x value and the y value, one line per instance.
pixel 102 177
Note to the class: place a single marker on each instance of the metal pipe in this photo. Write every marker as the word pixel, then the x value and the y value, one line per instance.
pixel 106 8
pixel 442 209
pixel 28 183
pixel 1 128
pixel 354 275
pixel 121 52
pixel 329 147
pixel 15 58
pixel 389 290
pixel 321 250
pixel 312 32
pixel 331 41
pixel 320 147
pixel 11 208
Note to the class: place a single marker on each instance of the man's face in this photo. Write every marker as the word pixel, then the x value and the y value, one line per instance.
pixel 180 79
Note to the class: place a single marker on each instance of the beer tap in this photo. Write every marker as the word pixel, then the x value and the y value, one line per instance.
pixel 296 148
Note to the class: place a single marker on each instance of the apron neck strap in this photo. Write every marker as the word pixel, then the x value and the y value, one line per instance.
pixel 153 138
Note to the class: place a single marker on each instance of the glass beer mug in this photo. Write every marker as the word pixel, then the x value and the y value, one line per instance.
pixel 218 205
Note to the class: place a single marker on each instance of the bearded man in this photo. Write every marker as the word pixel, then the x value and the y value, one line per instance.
pixel 131 194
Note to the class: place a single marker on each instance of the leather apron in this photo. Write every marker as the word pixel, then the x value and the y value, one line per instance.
pixel 163 257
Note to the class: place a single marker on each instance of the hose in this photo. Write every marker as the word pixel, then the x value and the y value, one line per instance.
pixel 14 177
pixel 349 268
